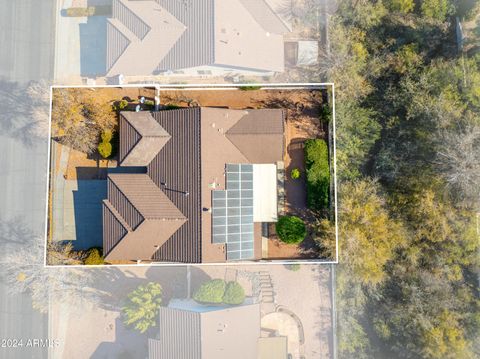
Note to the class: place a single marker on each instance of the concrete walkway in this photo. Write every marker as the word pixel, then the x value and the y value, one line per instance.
pixel 58 188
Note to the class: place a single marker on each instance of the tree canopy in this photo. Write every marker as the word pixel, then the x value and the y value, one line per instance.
pixel 407 106
pixel 142 306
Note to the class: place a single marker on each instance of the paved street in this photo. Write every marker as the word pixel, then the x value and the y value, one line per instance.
pixel 26 43
pixel 26 39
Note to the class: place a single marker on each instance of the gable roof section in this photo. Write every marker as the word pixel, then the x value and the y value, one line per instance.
pixel 145 196
pixel 196 45
pixel 265 16
pixel 141 138
pixel 176 169
pixel 145 37
pixel 227 332
pixel 114 227
pixel 138 217
pixel 259 129
pixel 179 335
pixel 139 29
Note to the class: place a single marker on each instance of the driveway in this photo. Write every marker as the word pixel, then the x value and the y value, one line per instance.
pixel 80 45
pixel 81 214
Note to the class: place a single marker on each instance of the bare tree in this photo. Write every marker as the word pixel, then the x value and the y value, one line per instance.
pixel 24 271
pixel 459 161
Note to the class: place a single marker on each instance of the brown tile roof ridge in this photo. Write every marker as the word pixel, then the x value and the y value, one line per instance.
pixel 145 124
pixel 117 215
pixel 146 139
pixel 259 122
pixel 151 202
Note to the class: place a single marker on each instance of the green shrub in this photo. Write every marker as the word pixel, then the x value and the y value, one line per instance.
pixel 210 292
pixel 291 229
pixel 249 88
pixel 295 174
pixel 325 114
pixel 94 256
pixel 216 291
pixel 122 104
pixel 105 149
pixel 106 136
pixel 234 293
pixel 318 174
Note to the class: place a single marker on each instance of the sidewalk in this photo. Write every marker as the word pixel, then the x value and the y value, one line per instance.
pixel 58 188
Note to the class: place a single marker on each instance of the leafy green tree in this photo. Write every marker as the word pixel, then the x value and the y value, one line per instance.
pixel 142 307
pixel 402 6
pixel 369 236
pixel 210 292
pixel 291 229
pixel 357 131
pixel 436 9
pixel 234 294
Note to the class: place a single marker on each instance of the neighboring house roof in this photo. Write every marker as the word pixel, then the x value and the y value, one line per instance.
pixel 190 149
pixel 263 13
pixel 221 333
pixel 142 138
pixel 259 129
pixel 139 33
pixel 144 37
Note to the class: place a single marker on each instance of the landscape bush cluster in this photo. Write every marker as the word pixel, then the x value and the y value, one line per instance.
pixel 217 291
pixel 291 229
pixel 318 174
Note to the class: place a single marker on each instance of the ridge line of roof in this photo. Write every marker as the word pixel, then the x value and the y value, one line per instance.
pixel 126 197
pixel 135 16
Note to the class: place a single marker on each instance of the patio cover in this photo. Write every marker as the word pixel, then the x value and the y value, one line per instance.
pixel 264 193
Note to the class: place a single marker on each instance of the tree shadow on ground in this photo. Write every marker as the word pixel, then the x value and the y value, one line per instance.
pixel 25 111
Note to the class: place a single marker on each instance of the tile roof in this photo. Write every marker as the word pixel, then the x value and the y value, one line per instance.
pixel 142 138
pixel 176 169
pixel 227 332
pixel 258 135
pixel 168 204
pixel 144 37
pixel 139 30
pixel 138 217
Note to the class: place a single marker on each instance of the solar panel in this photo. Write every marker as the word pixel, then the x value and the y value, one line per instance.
pixel 233 212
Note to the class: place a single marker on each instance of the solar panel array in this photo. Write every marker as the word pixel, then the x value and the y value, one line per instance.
pixel 233 212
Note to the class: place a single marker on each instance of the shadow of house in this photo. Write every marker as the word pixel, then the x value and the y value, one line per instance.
pixel 93 46
pixel 128 344
pixel 87 204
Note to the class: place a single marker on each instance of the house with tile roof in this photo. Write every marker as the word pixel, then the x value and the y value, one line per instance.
pixel 188 330
pixel 209 181
pixel 194 37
